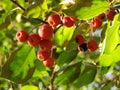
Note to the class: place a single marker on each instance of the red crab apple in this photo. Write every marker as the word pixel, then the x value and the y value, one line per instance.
pixel 97 23
pixel 46 44
pixel 49 62
pixel 79 39
pixel 101 16
pixel 92 45
pixel 54 19
pixel 22 36
pixel 45 31
pixel 110 14
pixel 43 55
pixel 33 40
pixel 68 22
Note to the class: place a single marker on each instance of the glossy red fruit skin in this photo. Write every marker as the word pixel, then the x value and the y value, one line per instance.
pixel 67 21
pixel 43 55
pixel 49 62
pixel 97 23
pixel 101 16
pixel 110 14
pixel 22 36
pixel 92 45
pixel 45 31
pixel 46 44
pixel 54 20
pixel 33 40
pixel 79 39
pixel 74 19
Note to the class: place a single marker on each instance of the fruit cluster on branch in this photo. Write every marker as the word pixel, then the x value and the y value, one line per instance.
pixel 46 32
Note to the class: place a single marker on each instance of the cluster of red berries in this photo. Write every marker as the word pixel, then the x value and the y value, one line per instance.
pixel 44 36
pixel 97 21
pixel 91 45
pixel 55 19
pixel 39 39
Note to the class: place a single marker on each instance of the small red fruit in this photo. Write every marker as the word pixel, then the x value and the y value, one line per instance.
pixel 92 45
pixel 22 36
pixel 54 20
pixel 101 16
pixel 110 14
pixel 97 23
pixel 46 31
pixel 79 39
pixel 46 44
pixel 74 19
pixel 43 55
pixel 68 22
pixel 49 62
pixel 33 40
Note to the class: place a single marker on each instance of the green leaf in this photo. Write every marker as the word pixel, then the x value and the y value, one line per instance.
pixel 39 65
pixel 69 75
pixel 112 38
pixel 66 57
pixel 110 59
pixel 29 87
pixel 7 6
pixel 21 2
pixel 39 7
pixel 87 9
pixel 111 47
pixel 63 35
pixel 87 75
pixel 20 65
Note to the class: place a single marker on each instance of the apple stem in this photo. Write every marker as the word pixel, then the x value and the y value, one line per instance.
pixel 91 31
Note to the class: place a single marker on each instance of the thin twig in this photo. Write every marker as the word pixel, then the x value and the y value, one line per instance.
pixel 16 3
pixel 30 19
pixel 40 20
pixel 52 74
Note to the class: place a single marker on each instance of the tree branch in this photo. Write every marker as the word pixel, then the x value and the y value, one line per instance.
pixel 16 3
pixel 34 20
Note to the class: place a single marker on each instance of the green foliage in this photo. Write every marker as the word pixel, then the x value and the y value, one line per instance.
pixel 66 57
pixel 63 35
pixel 87 9
pixel 20 65
pixel 111 43
pixel 5 4
pixel 87 75
pixel 29 87
pixel 69 75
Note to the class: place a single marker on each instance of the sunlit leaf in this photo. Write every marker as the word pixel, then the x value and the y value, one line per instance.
pixel 63 35
pixel 7 6
pixel 22 2
pixel 36 10
pixel 87 9
pixel 112 38
pixel 111 48
pixel 29 87
pixel 111 58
